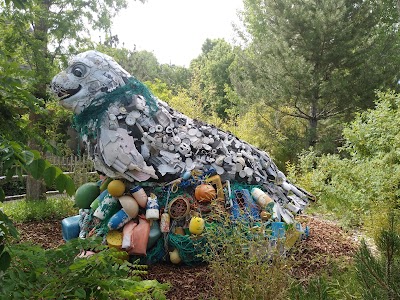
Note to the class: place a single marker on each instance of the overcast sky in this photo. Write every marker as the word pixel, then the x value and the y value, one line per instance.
pixel 175 30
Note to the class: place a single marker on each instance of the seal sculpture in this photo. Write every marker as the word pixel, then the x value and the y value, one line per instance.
pixel 131 134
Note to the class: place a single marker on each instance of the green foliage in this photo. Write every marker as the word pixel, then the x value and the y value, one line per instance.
pixel 176 77
pixel 7 233
pixel 15 99
pixel 269 130
pixel 210 77
pixel 358 185
pixel 17 159
pixel 339 284
pixel 375 133
pixel 59 127
pixel 181 101
pixel 59 274
pixel 317 60
pixel 380 275
pixel 31 210
pixel 243 265
pixel 18 3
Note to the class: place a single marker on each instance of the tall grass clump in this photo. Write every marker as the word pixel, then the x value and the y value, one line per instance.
pixel 29 210
pixel 362 181
pixel 243 264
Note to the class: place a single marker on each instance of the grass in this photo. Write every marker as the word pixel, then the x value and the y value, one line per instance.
pixel 52 208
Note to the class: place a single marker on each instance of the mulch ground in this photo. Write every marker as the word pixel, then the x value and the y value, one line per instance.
pixel 327 241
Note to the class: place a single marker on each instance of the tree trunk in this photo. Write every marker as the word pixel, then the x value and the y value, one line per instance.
pixel 36 189
pixel 313 123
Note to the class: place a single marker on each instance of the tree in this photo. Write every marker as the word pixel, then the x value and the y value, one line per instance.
pixel 141 64
pixel 40 33
pixel 210 82
pixel 144 66
pixel 363 182
pixel 176 77
pixel 380 275
pixel 317 60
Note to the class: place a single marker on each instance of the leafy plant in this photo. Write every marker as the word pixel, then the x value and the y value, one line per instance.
pixel 28 210
pixel 337 283
pixel 7 232
pixel 58 273
pixel 16 159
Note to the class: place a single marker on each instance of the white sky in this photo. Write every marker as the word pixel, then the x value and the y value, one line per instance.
pixel 175 30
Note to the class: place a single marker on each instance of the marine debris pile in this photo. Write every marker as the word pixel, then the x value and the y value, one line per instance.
pixel 167 222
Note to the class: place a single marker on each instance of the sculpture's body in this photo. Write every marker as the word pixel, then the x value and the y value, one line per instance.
pixel 131 134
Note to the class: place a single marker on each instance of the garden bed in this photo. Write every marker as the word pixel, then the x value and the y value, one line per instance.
pixel 327 241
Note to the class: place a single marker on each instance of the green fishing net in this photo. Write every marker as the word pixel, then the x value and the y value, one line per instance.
pixel 191 248
pixel 89 120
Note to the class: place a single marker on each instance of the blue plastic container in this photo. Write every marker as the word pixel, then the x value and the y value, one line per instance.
pixel 70 227
pixel 278 229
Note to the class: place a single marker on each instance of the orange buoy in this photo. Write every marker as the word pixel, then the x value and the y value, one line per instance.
pixel 205 193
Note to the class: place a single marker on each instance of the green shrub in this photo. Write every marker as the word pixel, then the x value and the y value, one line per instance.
pixel 52 208
pixel 357 185
pixel 36 273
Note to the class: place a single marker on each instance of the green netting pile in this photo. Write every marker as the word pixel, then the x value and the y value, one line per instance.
pixel 89 120
pixel 190 248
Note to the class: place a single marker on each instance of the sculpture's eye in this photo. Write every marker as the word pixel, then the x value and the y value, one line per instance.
pixel 79 70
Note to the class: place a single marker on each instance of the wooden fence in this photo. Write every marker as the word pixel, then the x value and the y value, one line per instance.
pixel 80 169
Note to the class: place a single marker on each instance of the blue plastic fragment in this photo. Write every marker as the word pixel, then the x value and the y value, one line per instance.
pixel 70 227
pixel 278 229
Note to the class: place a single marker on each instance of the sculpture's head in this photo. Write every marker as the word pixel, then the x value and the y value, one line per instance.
pixel 89 75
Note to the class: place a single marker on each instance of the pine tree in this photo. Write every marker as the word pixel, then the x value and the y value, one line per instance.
pixel 318 60
pixel 380 275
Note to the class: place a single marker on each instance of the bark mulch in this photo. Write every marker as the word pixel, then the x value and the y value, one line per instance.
pixel 327 241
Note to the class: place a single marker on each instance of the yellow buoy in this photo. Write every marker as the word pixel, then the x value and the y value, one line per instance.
pixel 174 257
pixel 116 188
pixel 196 225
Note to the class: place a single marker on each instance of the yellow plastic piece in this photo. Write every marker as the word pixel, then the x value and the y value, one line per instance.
pixel 174 257
pixel 114 239
pixel 292 236
pixel 216 180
